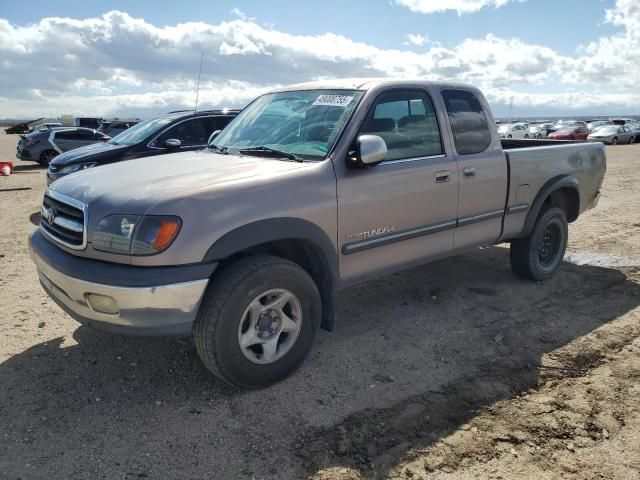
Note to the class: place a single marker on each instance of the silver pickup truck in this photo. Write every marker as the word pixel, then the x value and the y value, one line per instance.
pixel 312 188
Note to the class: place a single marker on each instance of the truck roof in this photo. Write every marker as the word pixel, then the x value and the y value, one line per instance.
pixel 364 84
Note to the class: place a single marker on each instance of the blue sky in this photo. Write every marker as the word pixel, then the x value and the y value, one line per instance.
pixel 559 24
pixel 560 57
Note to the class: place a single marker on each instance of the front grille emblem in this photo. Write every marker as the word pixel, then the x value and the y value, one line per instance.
pixel 50 215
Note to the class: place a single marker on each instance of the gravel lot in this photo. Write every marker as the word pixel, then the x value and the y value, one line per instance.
pixel 453 370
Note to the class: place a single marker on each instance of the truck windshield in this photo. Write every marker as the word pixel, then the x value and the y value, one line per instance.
pixel 304 124
pixel 140 131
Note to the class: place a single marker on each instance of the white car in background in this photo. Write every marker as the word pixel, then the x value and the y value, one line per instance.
pixel 540 130
pixel 514 130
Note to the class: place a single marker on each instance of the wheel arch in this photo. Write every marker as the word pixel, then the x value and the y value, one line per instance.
pixel 297 240
pixel 561 191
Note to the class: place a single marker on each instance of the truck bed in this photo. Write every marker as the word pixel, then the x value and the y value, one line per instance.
pixel 532 163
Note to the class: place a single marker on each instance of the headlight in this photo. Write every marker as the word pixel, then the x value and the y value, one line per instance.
pixel 135 235
pixel 76 168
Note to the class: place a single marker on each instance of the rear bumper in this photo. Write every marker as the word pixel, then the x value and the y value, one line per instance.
pixel 143 300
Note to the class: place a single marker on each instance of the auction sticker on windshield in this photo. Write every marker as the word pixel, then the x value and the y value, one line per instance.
pixel 333 100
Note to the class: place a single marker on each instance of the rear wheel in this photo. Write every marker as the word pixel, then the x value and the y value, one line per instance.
pixel 538 136
pixel 46 157
pixel 538 256
pixel 257 321
pixel 509 136
pixel 526 135
pixel 614 141
pixel 632 140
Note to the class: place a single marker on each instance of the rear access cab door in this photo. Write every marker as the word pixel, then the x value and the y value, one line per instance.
pixel 482 165
pixel 403 211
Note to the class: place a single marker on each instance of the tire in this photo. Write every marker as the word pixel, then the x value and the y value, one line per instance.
pixel 538 136
pixel 632 140
pixel 225 318
pixel 526 136
pixel 538 256
pixel 614 141
pixel 509 136
pixel 46 157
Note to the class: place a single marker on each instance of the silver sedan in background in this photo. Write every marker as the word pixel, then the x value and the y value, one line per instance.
pixel 612 134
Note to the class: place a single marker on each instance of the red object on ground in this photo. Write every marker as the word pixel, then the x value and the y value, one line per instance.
pixel 6 168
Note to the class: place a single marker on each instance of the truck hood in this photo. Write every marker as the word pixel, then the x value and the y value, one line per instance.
pixel 95 151
pixel 136 185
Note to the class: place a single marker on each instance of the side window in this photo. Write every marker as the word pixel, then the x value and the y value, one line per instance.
pixel 222 122
pixel 191 133
pixel 406 121
pixel 68 135
pixel 85 135
pixel 469 123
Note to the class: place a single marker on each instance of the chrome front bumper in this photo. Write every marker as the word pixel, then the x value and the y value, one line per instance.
pixel 168 309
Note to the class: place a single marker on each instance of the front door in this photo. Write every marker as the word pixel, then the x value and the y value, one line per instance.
pixel 483 170
pixel 402 211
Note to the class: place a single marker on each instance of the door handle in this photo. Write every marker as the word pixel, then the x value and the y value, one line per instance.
pixel 442 176
pixel 469 172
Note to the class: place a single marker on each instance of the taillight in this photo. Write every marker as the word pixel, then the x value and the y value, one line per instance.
pixel 32 141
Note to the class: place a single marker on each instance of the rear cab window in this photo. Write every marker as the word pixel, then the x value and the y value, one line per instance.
pixel 469 123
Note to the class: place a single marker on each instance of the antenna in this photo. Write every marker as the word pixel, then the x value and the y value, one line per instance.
pixel 199 75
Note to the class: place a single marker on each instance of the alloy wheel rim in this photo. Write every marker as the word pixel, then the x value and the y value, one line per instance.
pixel 270 326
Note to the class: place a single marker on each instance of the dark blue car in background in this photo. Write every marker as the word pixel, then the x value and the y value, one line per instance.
pixel 173 132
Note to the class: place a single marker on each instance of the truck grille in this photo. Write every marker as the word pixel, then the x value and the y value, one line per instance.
pixel 64 220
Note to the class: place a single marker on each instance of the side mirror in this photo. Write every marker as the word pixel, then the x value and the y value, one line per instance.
pixel 172 144
pixel 369 150
pixel 213 136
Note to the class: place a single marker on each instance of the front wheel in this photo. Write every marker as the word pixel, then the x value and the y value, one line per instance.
pixel 538 256
pixel 632 140
pixel 509 136
pixel 538 136
pixel 614 141
pixel 257 321
pixel 526 136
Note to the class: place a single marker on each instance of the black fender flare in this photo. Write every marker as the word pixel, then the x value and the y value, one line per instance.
pixel 556 183
pixel 271 230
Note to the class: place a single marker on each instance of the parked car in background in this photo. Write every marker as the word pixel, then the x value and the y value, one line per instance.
pixel 23 127
pixel 635 128
pixel 569 123
pixel 116 127
pixel 513 130
pixel 621 121
pixel 540 130
pixel 174 132
pixel 42 146
pixel 612 135
pixel 597 124
pixel 570 133
pixel 88 122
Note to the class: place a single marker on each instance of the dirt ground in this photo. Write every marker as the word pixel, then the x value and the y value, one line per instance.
pixel 455 370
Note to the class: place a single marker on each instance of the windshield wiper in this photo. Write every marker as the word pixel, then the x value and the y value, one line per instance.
pixel 280 153
pixel 222 150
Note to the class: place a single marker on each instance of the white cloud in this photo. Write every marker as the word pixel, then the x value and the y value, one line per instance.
pixel 416 39
pixel 117 63
pixel 460 6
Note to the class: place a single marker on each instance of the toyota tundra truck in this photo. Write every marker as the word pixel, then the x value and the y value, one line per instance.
pixel 311 189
